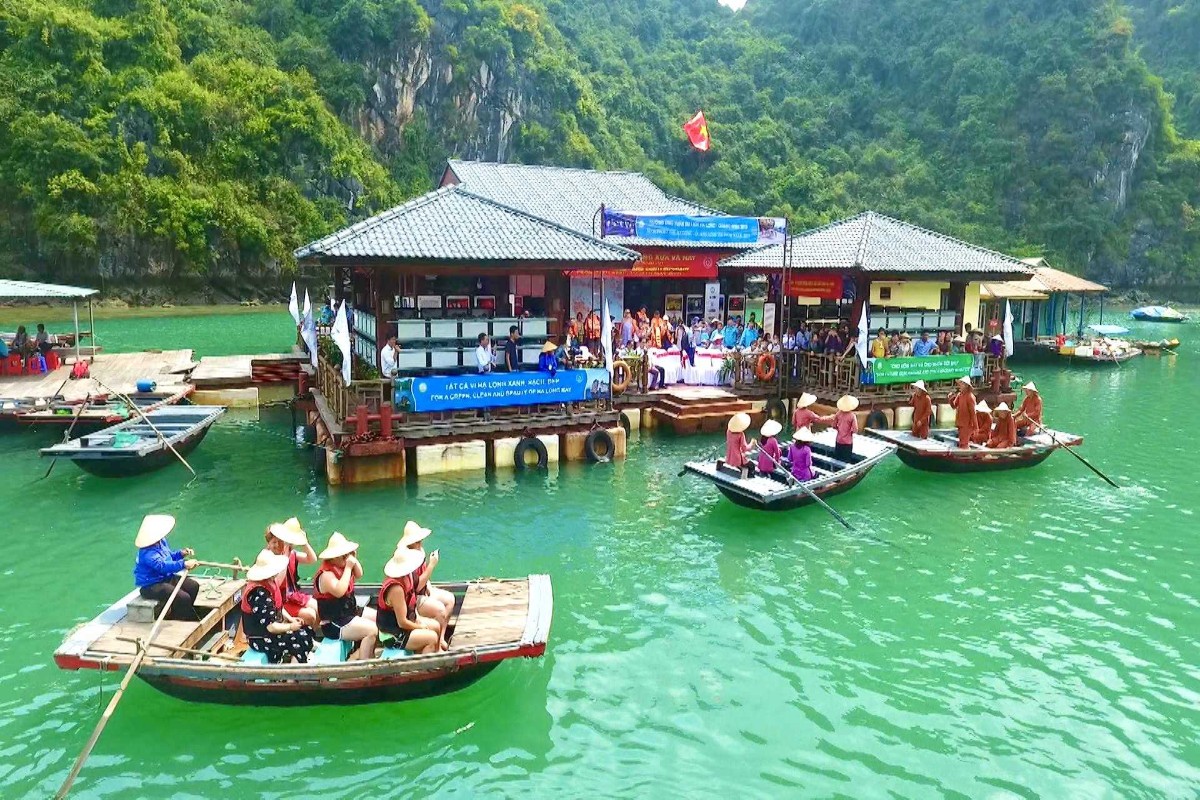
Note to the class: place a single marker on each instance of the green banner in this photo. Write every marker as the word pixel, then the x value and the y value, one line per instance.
pixel 922 368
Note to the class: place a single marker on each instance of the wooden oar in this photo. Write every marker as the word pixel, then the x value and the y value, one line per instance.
pixel 125 399
pixel 1066 447
pixel 67 435
pixel 795 482
pixel 116 698
pixel 175 649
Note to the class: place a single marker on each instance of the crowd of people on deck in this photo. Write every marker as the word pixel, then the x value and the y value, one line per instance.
pixel 282 618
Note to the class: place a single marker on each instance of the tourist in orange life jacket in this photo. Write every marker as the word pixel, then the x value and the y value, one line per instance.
pixel 983 423
pixel 591 332
pixel 962 399
pixel 922 410
pixel 341 617
pixel 289 539
pixel 846 424
pixel 804 416
pixel 575 331
pixel 397 603
pixel 1029 412
pixel 269 629
pixel 1005 434
pixel 157 568
pixel 658 331
pixel 432 602
pixel 737 449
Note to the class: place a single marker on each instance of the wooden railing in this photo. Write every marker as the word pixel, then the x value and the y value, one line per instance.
pixel 830 376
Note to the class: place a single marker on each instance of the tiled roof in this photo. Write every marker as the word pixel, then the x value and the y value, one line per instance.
pixel 1049 279
pixel 452 224
pixel 571 197
pixel 1010 290
pixel 872 242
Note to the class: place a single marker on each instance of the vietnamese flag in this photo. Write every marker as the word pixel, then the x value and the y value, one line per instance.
pixel 697 130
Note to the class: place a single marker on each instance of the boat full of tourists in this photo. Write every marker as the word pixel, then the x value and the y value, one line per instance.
pixel 139 444
pixel 208 661
pixel 775 491
pixel 939 452
pixel 1158 314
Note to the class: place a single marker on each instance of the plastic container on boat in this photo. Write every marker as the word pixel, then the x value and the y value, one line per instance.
pixel 146 385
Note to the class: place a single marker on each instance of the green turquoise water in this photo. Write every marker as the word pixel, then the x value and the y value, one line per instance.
pixel 1022 634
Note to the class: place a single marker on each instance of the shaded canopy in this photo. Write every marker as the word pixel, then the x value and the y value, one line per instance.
pixel 44 291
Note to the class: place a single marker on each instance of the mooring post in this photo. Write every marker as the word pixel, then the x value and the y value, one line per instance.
pixel 361 420
pixel 385 420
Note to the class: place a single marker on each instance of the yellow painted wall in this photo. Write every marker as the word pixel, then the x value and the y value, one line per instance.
pixel 971 304
pixel 915 294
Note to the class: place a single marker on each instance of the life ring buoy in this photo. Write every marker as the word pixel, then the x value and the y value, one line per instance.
pixel 599 447
pixel 520 454
pixel 877 420
pixel 776 410
pixel 764 368
pixel 620 384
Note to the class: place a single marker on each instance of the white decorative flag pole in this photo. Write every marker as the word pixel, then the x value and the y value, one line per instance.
pixel 1008 331
pixel 864 333
pixel 293 305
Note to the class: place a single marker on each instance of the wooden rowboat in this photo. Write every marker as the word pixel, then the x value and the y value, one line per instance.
pixel 777 493
pixel 941 453
pixel 101 411
pixel 1156 347
pixel 133 447
pixel 493 621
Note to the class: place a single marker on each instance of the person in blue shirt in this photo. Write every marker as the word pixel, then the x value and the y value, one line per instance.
pixel 730 334
pixel 924 346
pixel 3 348
pixel 749 337
pixel 548 361
pixel 802 337
pixel 157 568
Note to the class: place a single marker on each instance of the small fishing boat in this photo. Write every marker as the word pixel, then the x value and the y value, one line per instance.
pixel 133 447
pixel 493 621
pixel 777 493
pixel 941 453
pixel 1159 347
pixel 1158 314
pixel 101 410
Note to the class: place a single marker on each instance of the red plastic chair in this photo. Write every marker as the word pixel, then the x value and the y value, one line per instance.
pixel 11 365
pixel 53 362
pixel 35 365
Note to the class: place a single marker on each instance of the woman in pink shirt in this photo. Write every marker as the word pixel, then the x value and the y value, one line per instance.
pixel 846 424
pixel 800 455
pixel 737 449
pixel 804 417
pixel 769 451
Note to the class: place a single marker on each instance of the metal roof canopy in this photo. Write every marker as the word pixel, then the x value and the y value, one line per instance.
pixel 51 291
pixel 43 291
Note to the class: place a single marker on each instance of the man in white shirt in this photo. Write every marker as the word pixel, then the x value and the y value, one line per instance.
pixel 483 355
pixel 389 357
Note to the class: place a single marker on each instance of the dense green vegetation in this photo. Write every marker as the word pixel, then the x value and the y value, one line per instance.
pixel 205 139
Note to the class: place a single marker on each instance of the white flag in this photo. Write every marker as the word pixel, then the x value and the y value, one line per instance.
pixel 307 310
pixel 1008 332
pixel 293 305
pixel 606 340
pixel 864 333
pixel 308 331
pixel 340 333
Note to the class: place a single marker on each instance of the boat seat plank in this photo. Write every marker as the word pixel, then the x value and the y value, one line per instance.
pixel 492 614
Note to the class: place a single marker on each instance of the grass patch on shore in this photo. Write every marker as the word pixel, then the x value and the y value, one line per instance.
pixel 30 315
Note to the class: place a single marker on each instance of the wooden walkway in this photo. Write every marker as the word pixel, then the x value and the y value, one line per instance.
pixel 224 371
pixel 121 371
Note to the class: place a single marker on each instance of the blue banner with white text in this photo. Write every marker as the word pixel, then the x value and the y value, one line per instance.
pixel 686 228
pixel 465 392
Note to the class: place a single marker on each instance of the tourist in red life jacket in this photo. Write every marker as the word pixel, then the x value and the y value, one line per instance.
pixel 963 401
pixel 289 539
pixel 737 449
pixel 432 602
pixel 591 332
pixel 922 407
pixel 769 451
pixel 1005 434
pixel 157 568
pixel 846 424
pixel 983 423
pixel 398 605
pixel 269 629
pixel 341 617
pixel 804 417
pixel 1029 413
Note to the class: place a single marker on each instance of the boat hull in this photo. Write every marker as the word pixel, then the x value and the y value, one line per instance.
pixel 796 501
pixel 139 465
pixel 1169 320
pixel 972 463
